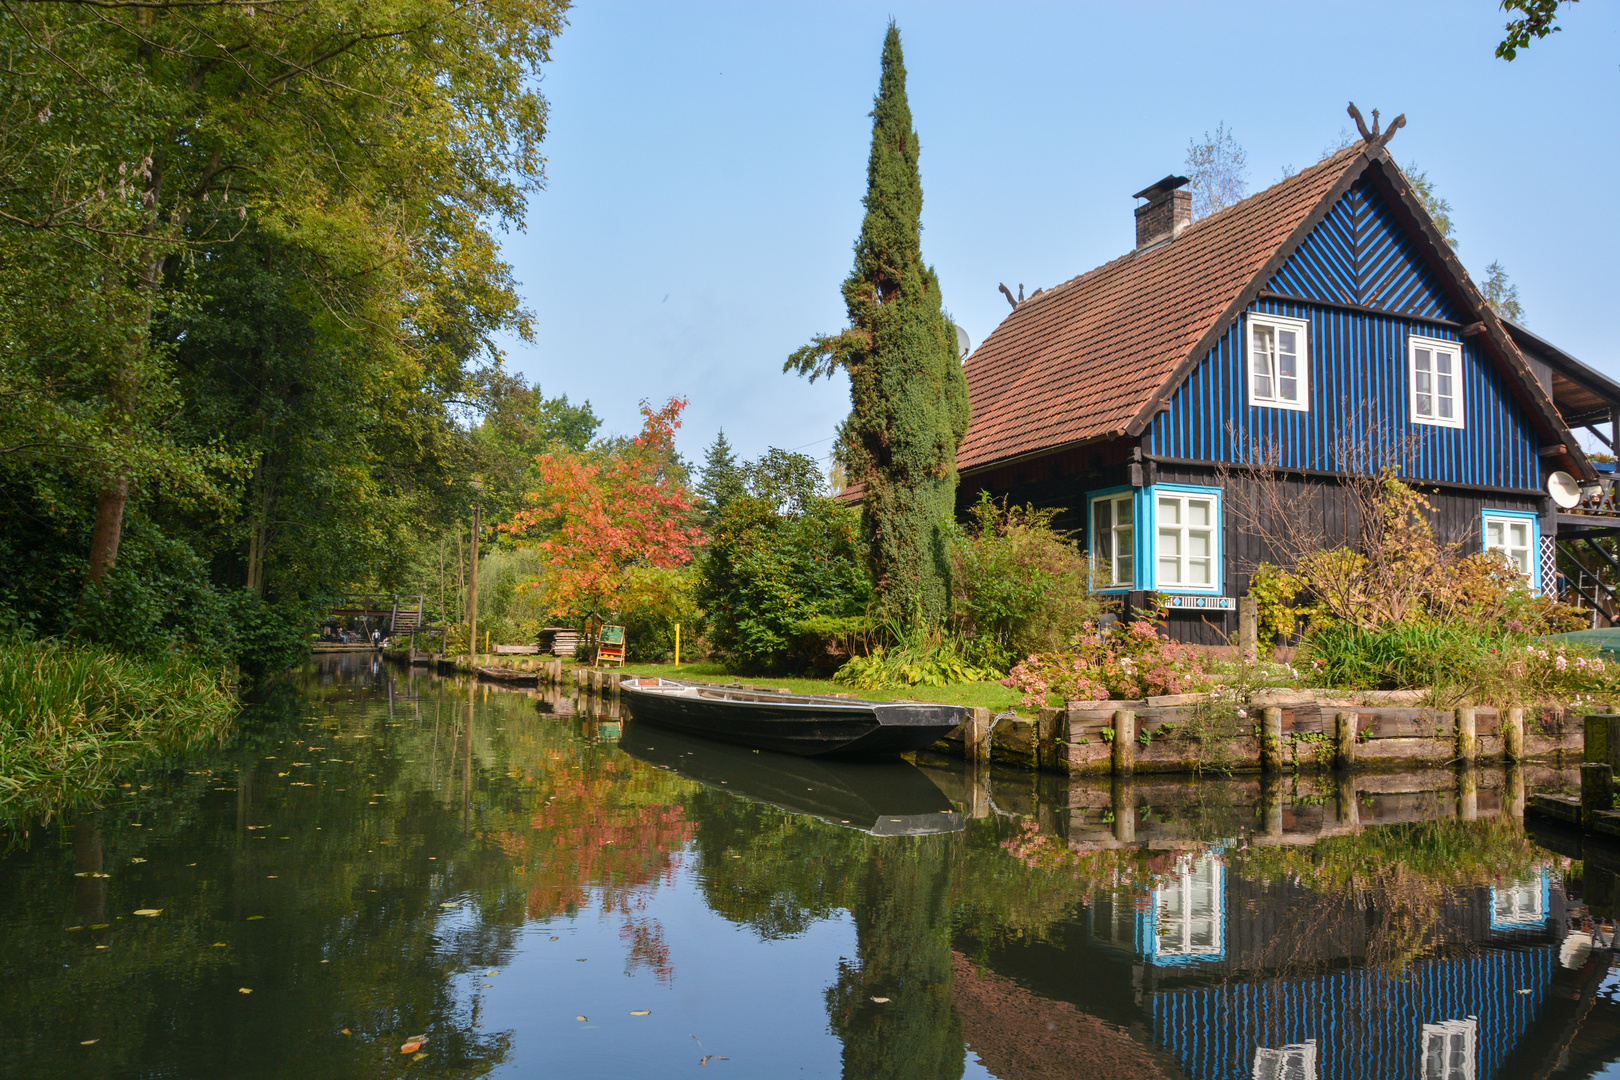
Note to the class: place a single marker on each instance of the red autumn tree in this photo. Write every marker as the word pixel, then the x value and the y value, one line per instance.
pixel 602 515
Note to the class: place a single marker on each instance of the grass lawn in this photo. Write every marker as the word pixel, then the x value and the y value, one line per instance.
pixel 991 695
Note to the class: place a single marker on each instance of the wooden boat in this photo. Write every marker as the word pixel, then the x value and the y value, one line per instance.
pixel 509 675
pixel 880 798
pixel 803 724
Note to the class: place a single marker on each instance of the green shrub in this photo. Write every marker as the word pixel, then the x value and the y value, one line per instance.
pixel 924 659
pixel 1458 662
pixel 1018 585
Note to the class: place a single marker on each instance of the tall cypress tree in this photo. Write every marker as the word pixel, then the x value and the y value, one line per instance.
pixel 908 395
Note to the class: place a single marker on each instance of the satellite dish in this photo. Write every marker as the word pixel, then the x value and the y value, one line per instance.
pixel 964 344
pixel 1563 489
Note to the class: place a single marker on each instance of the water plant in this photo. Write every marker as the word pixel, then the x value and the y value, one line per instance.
pixel 73 715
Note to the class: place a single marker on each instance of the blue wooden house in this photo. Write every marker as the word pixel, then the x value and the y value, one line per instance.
pixel 1318 319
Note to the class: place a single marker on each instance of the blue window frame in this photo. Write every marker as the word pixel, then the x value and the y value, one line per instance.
pixel 1516 534
pixel 1165 538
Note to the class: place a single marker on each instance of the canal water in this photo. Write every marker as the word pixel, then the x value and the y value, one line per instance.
pixel 510 884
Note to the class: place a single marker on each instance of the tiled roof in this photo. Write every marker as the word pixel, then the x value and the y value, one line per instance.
pixel 1082 359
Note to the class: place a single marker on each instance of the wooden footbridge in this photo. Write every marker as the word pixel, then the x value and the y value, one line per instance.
pixel 392 613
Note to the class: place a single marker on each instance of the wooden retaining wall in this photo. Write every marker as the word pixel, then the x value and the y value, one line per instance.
pixel 1296 733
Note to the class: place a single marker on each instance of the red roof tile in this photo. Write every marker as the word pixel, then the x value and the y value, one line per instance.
pixel 1082 359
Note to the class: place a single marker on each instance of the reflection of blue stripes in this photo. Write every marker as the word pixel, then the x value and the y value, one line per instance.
pixel 1365 1023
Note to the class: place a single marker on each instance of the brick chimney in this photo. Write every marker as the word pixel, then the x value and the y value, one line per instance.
pixel 1167 211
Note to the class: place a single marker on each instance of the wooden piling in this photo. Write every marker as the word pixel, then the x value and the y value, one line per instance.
pixel 1248 627
pixel 1124 748
pixel 1271 807
pixel 1597 788
pixel 976 734
pixel 1271 740
pixel 1513 733
pixel 1344 739
pixel 1467 736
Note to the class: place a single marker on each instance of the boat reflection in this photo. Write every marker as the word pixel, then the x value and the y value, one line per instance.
pixel 880 798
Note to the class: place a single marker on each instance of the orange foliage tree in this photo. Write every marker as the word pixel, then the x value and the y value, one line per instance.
pixel 603 515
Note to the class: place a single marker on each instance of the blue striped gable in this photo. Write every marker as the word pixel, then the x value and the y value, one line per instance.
pixel 1358 380
pixel 1360 255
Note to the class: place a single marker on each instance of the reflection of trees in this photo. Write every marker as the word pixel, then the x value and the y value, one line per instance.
pixel 903 934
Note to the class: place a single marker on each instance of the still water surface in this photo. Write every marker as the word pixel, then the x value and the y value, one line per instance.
pixel 380 855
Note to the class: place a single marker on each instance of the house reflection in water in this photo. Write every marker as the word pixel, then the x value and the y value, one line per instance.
pixel 1234 978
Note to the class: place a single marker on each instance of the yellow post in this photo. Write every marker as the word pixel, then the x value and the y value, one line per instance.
pixel 486 642
pixel 677 644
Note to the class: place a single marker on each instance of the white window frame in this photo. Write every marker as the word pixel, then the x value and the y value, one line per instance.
pixel 1531 548
pixel 1414 345
pixel 1444 1038
pixel 1108 553
pixel 1185 539
pixel 1254 356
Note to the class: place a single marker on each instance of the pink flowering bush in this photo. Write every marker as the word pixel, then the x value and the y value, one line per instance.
pixel 1128 662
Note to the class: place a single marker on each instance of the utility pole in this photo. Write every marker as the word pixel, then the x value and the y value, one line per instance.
pixel 472 581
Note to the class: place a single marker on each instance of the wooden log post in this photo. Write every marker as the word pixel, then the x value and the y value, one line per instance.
pixel 1344 739
pixel 1248 628
pixel 1513 733
pixel 976 734
pixel 1124 748
pixel 1467 736
pixel 1051 731
pixel 1271 740
pixel 1597 789
pixel 1124 808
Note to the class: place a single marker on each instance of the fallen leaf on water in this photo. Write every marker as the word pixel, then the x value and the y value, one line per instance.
pixel 411 1047
pixel 90 873
pixel 219 945
pixel 485 986
pixel 88 1042
pixel 244 990
pixel 579 1018
pixel 101 946
pixel 250 918
pixel 1527 991
pixel 451 903
pixel 489 973
pixel 881 1001
pixel 706 1058
pixel 99 925
pixel 553 939
pixel 137 860
pixel 149 912
pixel 641 1012
pixel 346 1031
pixel 581 960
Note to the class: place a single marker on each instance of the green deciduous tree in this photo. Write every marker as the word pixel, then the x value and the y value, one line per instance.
pixel 780 555
pixel 909 397
pixel 1536 19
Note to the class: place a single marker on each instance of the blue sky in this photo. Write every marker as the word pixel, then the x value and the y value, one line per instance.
pixel 706 163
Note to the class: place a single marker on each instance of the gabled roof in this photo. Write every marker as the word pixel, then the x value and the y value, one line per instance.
pixel 1097 356
pixel 1583 394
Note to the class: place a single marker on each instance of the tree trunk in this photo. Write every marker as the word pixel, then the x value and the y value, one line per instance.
pixel 109 527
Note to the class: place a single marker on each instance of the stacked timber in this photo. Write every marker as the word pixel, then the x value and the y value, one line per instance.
pixel 559 640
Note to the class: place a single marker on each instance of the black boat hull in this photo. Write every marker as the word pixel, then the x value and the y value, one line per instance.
pixel 807 727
